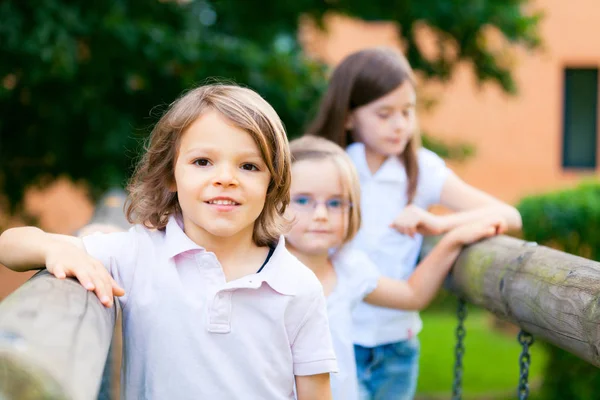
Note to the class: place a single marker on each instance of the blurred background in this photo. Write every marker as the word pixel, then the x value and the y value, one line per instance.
pixel 508 95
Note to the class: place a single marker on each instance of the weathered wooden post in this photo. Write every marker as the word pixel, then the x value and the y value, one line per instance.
pixel 551 294
pixel 54 340
pixel 54 334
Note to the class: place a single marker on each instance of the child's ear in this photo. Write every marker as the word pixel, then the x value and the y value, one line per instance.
pixel 349 123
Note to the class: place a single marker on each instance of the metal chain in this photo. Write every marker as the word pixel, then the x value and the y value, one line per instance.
pixel 459 350
pixel 526 340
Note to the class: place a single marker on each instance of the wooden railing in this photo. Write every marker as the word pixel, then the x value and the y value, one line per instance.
pixel 55 336
pixel 54 340
pixel 553 295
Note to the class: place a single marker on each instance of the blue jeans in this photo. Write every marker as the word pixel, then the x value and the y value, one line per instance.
pixel 389 371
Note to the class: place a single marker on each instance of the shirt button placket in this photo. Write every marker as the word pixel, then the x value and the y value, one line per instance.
pixel 220 312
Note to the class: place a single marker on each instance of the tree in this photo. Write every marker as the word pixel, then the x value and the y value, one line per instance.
pixel 459 24
pixel 78 79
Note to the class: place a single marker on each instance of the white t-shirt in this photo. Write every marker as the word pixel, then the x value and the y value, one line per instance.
pixel 356 278
pixel 189 334
pixel 383 197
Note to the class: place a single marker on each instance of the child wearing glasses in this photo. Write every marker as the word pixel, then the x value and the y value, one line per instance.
pixel 325 208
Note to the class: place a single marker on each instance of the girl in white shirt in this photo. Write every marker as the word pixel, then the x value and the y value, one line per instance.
pixel 369 110
pixel 325 207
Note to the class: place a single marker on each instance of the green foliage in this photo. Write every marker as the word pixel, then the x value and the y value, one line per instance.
pixel 569 377
pixel 78 79
pixel 567 220
pixel 460 23
pixel 83 77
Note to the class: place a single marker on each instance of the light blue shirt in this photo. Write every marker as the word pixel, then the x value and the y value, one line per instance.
pixel 383 197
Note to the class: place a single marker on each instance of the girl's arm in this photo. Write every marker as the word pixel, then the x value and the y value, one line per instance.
pixel 472 204
pixel 313 387
pixel 418 291
pixel 27 248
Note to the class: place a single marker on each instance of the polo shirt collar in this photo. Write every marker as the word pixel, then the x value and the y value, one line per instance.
pixel 273 273
pixel 176 241
pixel 392 169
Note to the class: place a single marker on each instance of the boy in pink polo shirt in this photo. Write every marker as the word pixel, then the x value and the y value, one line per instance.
pixel 214 306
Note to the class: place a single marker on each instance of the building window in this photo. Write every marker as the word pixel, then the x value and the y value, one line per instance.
pixel 580 129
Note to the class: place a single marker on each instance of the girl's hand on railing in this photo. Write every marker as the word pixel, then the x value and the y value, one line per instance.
pixel 475 231
pixel 67 260
pixel 413 219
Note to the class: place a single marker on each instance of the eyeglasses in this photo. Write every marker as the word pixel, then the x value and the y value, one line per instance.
pixel 306 203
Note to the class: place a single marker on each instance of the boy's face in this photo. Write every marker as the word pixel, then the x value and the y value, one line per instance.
pixel 319 207
pixel 220 178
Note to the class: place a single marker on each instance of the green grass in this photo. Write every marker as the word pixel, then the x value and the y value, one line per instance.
pixel 490 364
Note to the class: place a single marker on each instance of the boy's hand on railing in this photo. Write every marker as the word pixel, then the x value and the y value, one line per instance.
pixel 66 260
pixel 475 231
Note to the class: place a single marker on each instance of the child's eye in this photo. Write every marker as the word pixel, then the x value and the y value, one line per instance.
pixel 249 167
pixel 335 203
pixel 201 162
pixel 383 115
pixel 302 200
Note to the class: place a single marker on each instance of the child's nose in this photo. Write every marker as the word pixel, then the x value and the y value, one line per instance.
pixel 320 212
pixel 400 122
pixel 225 176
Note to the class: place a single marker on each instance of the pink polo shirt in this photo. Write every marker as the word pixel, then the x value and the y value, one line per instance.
pixel 189 334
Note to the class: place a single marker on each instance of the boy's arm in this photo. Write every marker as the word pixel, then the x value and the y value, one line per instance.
pixel 26 248
pixel 313 387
